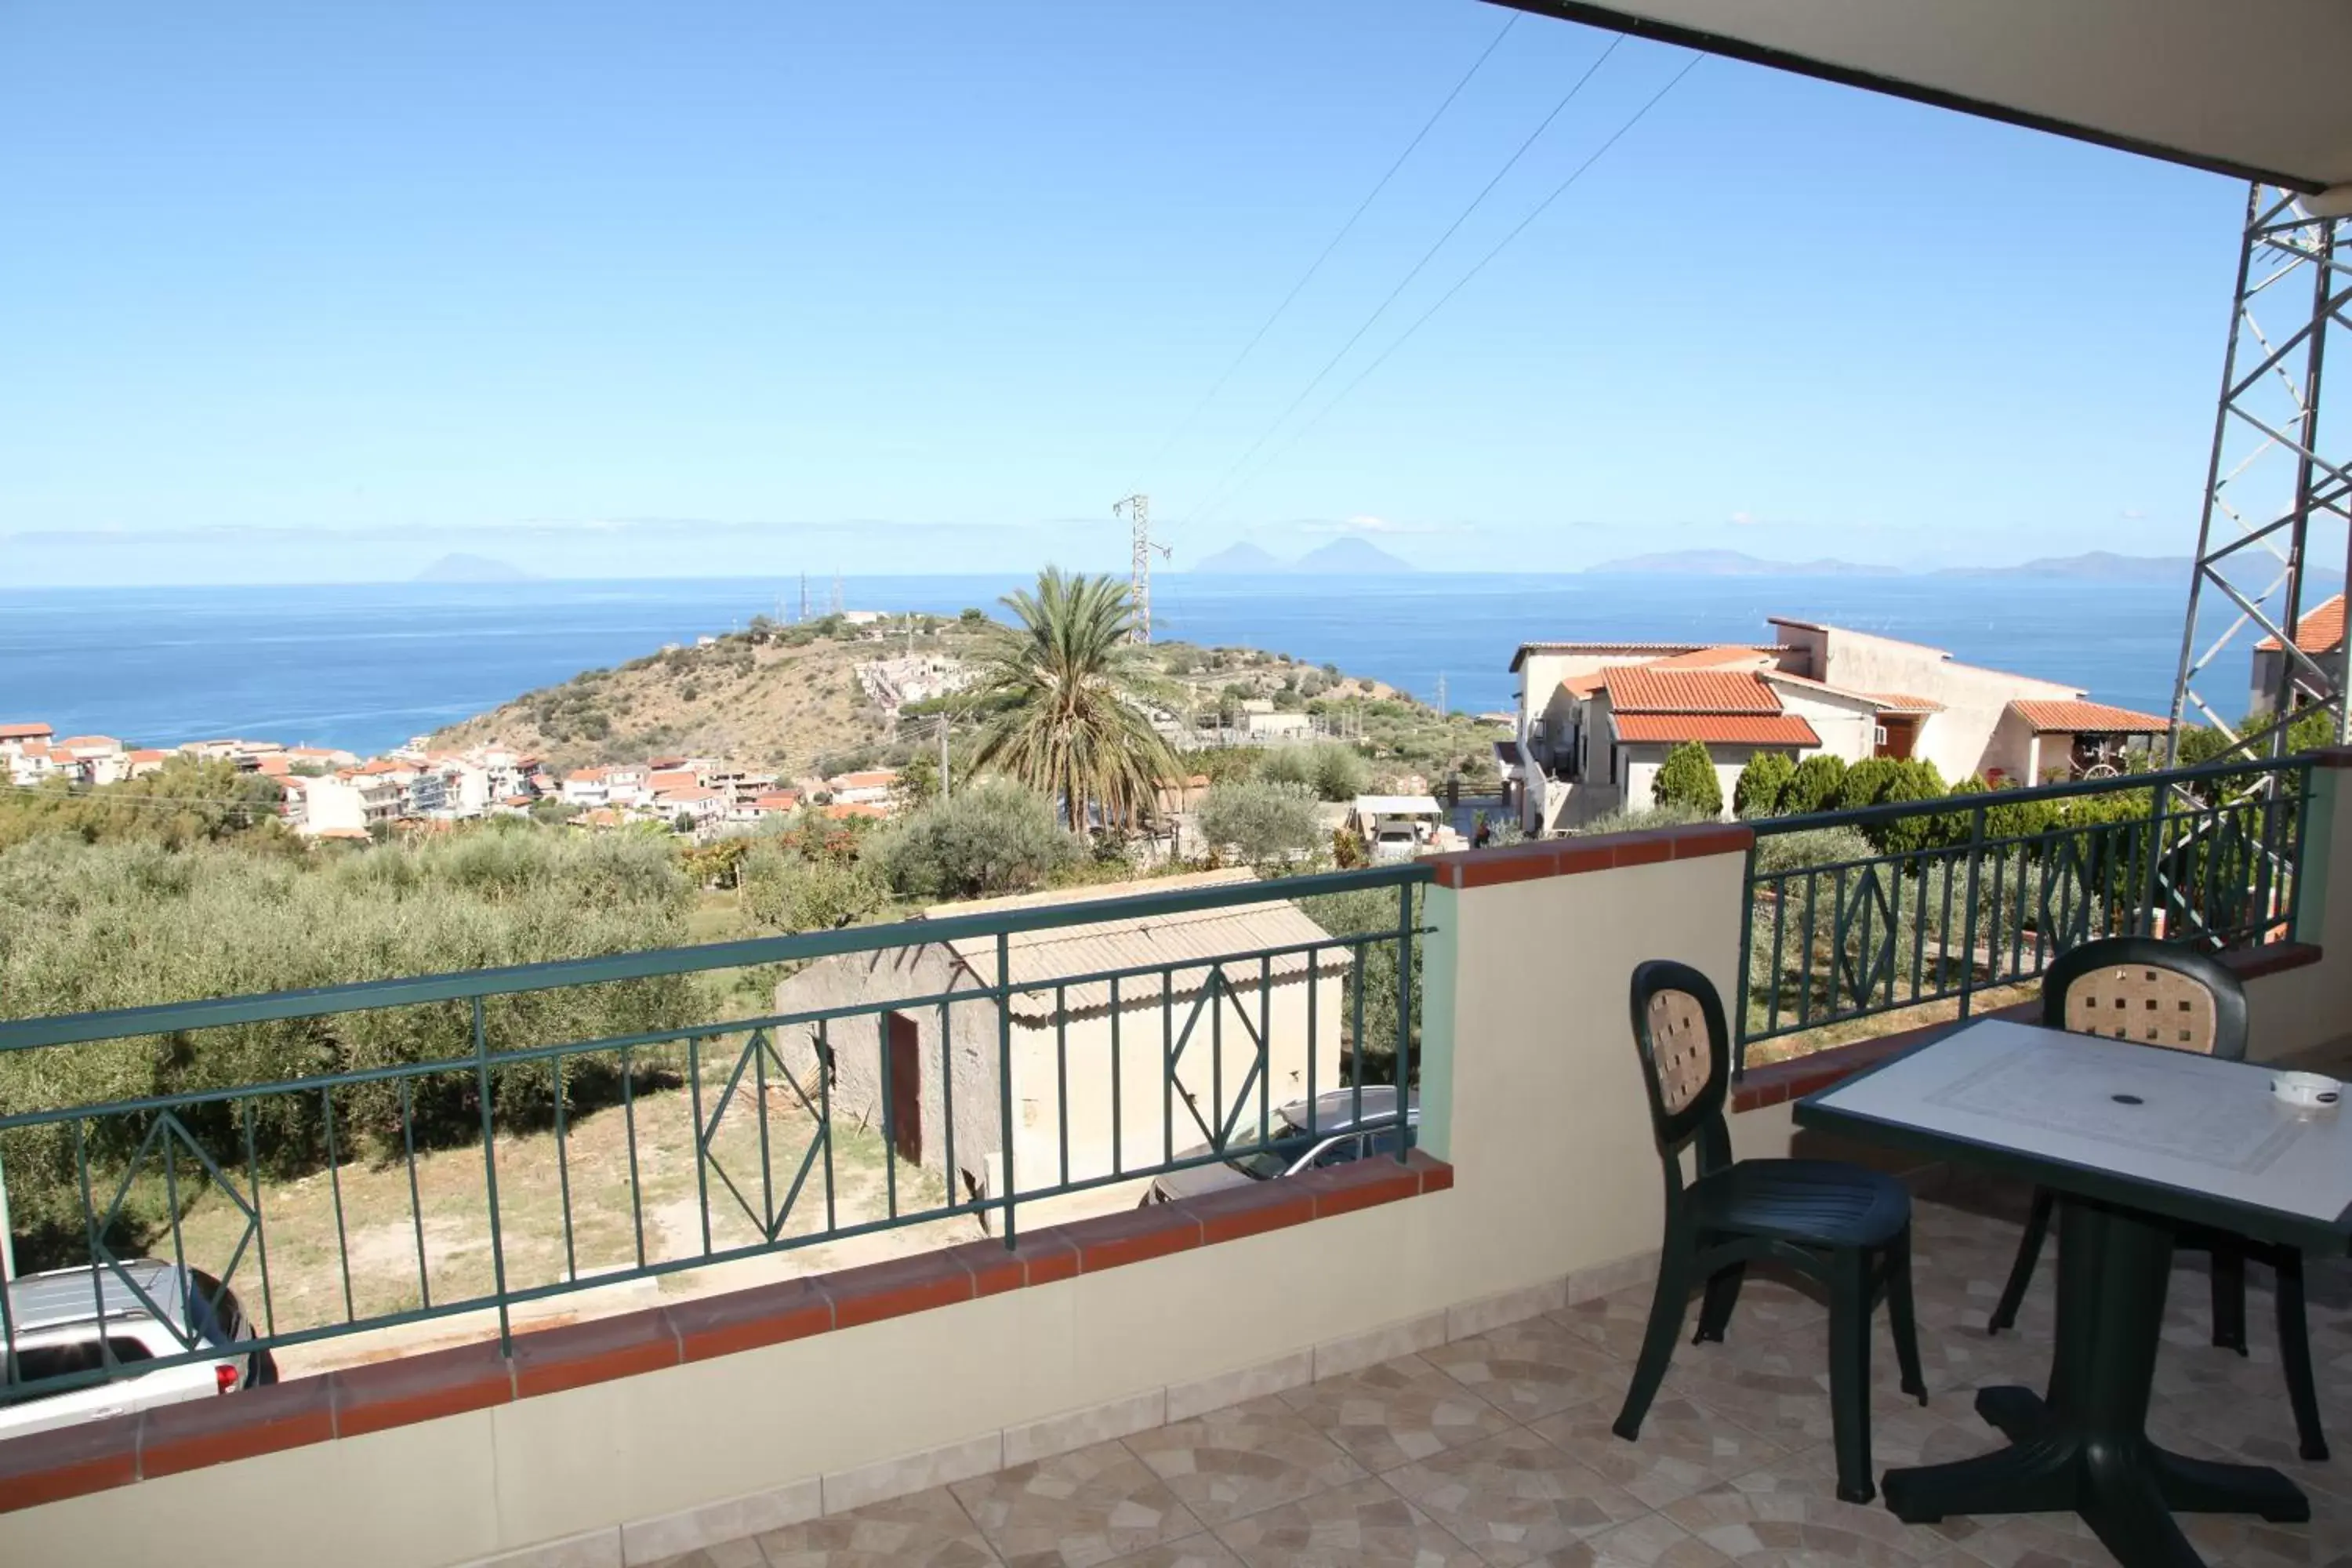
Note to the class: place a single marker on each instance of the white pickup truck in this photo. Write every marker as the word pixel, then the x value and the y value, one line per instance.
pixel 112 1320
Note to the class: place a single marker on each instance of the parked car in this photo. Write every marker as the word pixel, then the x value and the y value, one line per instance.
pixel 1337 1137
pixel 70 1321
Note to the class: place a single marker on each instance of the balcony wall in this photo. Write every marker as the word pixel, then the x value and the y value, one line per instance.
pixel 632 1438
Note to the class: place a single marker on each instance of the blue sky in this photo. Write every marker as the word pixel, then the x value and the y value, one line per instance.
pixel 683 288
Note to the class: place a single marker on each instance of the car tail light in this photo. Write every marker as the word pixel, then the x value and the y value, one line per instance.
pixel 225 1374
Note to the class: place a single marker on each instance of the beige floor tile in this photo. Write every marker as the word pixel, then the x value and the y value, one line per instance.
pixel 1366 1525
pixel 1515 1497
pixel 1397 1411
pixel 2229 1542
pixel 2035 1541
pixel 726 1554
pixel 1684 1447
pixel 1192 1552
pixel 1787 1515
pixel 1076 1510
pixel 928 1529
pixel 1243 1458
pixel 1655 1542
pixel 1615 1322
pixel 1531 1368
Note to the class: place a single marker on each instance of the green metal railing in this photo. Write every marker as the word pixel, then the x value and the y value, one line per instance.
pixel 1970 892
pixel 421 1202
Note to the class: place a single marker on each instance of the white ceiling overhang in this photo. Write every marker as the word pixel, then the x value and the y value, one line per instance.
pixel 2258 89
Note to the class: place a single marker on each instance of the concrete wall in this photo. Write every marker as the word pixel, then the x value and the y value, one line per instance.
pixel 1530 1087
pixel 969 1046
pixel 1217 1059
pixel 1957 740
pixel 1075 1070
pixel 1847 726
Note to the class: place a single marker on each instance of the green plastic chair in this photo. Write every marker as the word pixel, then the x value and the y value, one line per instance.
pixel 1845 1225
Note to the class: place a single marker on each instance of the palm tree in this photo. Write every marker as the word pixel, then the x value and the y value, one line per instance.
pixel 1063 689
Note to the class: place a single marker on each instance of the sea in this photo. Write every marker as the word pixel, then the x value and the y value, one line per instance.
pixel 365 667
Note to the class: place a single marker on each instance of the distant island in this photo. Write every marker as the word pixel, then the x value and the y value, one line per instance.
pixel 1732 563
pixel 2097 566
pixel 463 568
pixel 1346 557
pixel 2094 566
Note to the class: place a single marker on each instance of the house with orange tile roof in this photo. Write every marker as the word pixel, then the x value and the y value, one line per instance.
pixel 1596 719
pixel 2318 635
pixel 871 787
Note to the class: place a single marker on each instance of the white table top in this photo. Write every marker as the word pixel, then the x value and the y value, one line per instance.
pixel 2191 1123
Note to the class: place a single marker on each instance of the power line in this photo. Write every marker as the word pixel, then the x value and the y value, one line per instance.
pixel 1382 357
pixel 1345 230
pixel 1406 281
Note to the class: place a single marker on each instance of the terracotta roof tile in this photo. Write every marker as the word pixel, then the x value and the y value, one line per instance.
pixel 1905 702
pixel 2320 628
pixel 1644 689
pixel 1716 728
pixel 2095 717
pixel 1725 656
pixel 23 732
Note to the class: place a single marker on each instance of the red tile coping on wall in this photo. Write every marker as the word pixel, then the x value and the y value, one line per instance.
pixel 2333 757
pixel 1808 1074
pixel 48 1466
pixel 1567 857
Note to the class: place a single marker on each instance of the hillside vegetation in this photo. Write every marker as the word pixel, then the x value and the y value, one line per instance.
pixel 786 698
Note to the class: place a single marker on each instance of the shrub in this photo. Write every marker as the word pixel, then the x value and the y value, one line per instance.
pixel 1687 779
pixel 1761 783
pixel 1636 819
pixel 1329 770
pixel 1260 822
pixel 85 927
pixel 785 889
pixel 1777 852
pixel 1866 782
pixel 1814 787
pixel 994 836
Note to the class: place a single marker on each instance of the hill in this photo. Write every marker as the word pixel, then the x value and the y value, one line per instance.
pixel 463 568
pixel 1241 558
pixel 1732 563
pixel 788 698
pixel 1351 556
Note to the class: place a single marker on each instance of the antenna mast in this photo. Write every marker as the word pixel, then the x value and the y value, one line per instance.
pixel 1138 509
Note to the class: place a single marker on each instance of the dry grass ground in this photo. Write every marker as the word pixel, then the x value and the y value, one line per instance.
pixel 622 1189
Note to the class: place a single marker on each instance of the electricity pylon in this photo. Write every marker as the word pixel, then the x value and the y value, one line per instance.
pixel 1138 510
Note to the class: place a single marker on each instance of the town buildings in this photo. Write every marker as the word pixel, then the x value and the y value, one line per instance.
pixel 1597 719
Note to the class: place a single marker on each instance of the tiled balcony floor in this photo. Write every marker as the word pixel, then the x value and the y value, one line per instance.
pixel 1496 1450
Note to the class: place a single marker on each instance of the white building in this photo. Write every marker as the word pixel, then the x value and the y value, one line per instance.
pixel 348 804
pixel 871 787
pixel 1597 719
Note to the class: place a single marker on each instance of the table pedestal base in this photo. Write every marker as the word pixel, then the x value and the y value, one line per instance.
pixel 2084 1448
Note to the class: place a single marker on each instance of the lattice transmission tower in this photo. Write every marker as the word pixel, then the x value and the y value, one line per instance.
pixel 1136 509
pixel 2278 490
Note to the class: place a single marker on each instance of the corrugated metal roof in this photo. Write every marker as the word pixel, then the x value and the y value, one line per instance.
pixel 1148 942
pixel 1716 728
pixel 1644 689
pixel 2097 717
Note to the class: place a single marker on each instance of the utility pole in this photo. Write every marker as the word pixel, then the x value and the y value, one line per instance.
pixel 804 597
pixel 836 593
pixel 1138 509
pixel 1441 694
pixel 943 756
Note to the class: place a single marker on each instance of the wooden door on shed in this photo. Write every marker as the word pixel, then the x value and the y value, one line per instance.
pixel 906 1089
